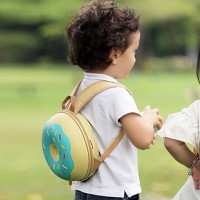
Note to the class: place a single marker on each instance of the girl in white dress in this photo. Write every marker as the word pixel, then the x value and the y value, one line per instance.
pixel 181 128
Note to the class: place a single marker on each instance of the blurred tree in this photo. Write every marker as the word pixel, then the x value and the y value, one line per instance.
pixel 33 30
pixel 168 28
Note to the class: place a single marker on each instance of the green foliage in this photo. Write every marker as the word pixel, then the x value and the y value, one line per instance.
pixel 21 44
pixel 153 11
pixel 58 13
pixel 168 27
pixel 170 40
pixel 51 14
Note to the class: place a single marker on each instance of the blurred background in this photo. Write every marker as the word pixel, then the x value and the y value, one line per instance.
pixel 34 31
pixel 35 77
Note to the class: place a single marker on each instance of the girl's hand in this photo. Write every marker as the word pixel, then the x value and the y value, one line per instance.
pixel 196 175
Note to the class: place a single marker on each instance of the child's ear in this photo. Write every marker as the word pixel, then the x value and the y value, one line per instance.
pixel 114 55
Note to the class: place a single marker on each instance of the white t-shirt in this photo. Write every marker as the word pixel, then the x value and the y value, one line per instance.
pixel 119 172
pixel 184 126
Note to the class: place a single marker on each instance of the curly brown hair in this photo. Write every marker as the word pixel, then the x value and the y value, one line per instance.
pixel 100 26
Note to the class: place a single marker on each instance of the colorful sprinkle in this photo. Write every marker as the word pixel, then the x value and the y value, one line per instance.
pixel 60 138
pixel 47 132
pixel 55 133
pixel 54 140
pixel 50 127
pixel 64 156
pixel 63 146
pixel 64 166
pixel 43 146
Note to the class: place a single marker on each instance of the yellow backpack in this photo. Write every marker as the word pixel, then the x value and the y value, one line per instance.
pixel 68 142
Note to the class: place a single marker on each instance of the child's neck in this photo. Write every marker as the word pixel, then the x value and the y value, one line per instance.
pixel 108 71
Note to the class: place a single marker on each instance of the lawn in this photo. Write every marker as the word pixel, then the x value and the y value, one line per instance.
pixel 30 95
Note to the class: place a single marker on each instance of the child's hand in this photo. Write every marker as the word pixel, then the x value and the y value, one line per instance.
pixel 196 175
pixel 153 141
pixel 140 128
pixel 152 118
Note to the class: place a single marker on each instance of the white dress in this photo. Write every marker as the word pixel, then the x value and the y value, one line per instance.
pixel 184 126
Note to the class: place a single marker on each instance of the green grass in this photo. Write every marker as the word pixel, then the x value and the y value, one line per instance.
pixel 29 96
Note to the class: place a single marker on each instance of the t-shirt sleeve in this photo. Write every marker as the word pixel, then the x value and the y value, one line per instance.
pixel 183 125
pixel 122 103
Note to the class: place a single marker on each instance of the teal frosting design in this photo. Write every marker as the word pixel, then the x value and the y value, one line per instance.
pixel 53 134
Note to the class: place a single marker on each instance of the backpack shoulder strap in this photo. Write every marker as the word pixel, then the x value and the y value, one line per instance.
pixel 76 103
pixel 69 100
pixel 85 96
pixel 108 151
pixel 92 90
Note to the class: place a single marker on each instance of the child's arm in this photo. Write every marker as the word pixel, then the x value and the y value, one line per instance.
pixel 180 151
pixel 140 129
pixel 185 156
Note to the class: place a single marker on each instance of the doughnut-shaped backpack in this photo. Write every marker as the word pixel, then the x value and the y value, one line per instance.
pixel 68 142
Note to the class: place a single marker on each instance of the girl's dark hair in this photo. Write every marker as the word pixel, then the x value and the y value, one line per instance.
pixel 100 26
pixel 198 67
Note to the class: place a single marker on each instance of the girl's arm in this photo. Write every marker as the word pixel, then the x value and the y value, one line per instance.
pixel 185 156
pixel 140 129
pixel 180 151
